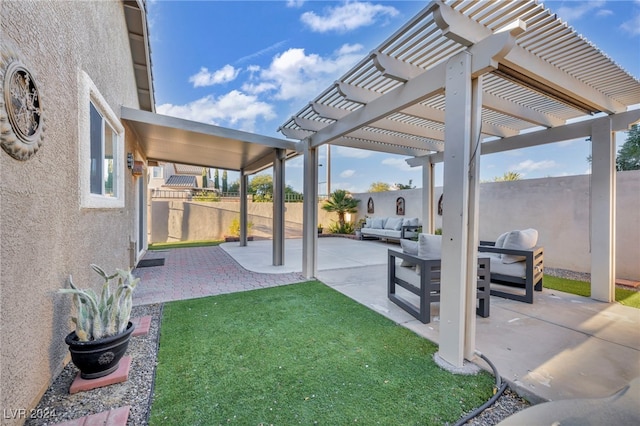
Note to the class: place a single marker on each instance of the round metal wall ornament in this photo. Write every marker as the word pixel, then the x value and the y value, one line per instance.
pixel 21 114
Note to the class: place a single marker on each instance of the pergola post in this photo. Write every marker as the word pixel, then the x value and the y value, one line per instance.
pixel 428 223
pixel 455 230
pixel 603 211
pixel 474 206
pixel 244 185
pixel 310 212
pixel 278 206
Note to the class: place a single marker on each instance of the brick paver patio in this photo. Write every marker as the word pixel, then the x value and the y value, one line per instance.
pixel 190 273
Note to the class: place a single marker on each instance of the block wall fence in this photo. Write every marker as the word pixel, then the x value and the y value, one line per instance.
pixel 557 207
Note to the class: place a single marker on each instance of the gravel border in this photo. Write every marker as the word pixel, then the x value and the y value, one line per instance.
pixel 137 391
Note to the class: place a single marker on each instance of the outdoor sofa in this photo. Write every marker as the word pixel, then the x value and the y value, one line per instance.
pixel 390 228
pixel 416 269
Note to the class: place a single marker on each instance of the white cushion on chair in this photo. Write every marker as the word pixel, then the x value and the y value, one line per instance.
pixel 408 247
pixel 430 246
pixel 519 240
pixel 500 240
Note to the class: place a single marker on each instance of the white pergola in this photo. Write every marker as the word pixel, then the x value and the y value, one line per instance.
pixel 464 78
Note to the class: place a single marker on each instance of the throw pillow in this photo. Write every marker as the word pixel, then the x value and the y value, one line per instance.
pixel 367 223
pixel 377 223
pixel 393 224
pixel 519 240
pixel 409 247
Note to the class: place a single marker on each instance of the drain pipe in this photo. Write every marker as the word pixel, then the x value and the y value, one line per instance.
pixel 501 387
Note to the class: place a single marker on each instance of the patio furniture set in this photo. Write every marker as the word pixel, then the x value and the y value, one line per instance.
pixel 511 267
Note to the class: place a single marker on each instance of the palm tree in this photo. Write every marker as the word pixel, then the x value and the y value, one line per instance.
pixel 341 202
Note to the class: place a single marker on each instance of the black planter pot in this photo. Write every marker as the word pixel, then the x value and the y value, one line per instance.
pixel 97 358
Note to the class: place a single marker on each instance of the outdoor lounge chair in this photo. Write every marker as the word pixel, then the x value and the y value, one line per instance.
pixel 516 262
pixel 420 276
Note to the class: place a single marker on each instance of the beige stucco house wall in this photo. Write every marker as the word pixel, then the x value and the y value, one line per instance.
pixel 73 50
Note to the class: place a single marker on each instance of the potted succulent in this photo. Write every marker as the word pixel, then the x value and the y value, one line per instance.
pixel 102 323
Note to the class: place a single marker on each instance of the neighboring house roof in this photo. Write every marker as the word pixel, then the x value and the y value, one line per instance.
pixel 136 17
pixel 176 181
pixel 183 169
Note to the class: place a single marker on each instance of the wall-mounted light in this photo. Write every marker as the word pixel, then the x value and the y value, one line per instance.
pixel 129 160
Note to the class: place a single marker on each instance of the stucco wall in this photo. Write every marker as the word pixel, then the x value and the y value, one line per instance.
pixel 44 234
pixel 557 207
pixel 197 221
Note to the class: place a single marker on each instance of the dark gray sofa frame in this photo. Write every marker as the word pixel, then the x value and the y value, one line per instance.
pixel 429 289
pixel 534 272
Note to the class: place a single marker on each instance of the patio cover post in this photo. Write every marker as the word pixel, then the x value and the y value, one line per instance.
pixel 244 184
pixel 603 211
pixel 474 208
pixel 427 195
pixel 278 206
pixel 455 256
pixel 310 212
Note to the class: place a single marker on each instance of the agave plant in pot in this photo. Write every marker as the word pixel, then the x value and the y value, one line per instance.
pixel 102 323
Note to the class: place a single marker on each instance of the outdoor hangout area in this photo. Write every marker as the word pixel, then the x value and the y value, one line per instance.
pixel 134 294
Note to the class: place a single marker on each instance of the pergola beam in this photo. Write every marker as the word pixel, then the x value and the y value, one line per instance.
pixel 485 57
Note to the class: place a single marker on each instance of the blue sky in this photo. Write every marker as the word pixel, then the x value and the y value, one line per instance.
pixel 250 65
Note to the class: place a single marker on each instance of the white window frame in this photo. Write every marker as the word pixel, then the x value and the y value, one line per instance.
pixel 89 94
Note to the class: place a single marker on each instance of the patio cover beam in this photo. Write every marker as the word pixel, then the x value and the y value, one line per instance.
pixel 582 129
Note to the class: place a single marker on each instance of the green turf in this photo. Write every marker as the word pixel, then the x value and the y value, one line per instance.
pixel 183 244
pixel 582 288
pixel 300 354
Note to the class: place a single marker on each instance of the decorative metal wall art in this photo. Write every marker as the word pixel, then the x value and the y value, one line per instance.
pixel 400 206
pixel 21 115
pixel 370 206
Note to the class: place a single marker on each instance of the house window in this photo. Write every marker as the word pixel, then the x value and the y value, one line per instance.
pixel 157 172
pixel 103 161
pixel 101 149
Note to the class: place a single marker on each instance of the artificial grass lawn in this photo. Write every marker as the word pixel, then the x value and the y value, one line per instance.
pixel 183 244
pixel 300 353
pixel 581 288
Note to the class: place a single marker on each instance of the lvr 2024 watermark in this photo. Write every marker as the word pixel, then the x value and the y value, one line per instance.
pixel 23 413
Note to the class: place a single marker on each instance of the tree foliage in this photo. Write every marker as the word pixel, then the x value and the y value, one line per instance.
pixel 507 177
pixel 225 186
pixel 261 187
pixel 341 202
pixel 379 187
pixel 629 153
pixel 403 186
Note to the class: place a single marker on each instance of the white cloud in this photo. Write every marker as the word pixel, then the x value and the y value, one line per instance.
pixel 347 173
pixel 604 12
pixel 578 9
pixel 398 163
pixel 232 109
pixel 295 3
pixel 294 75
pixel 532 166
pixel 347 17
pixel 632 26
pixel 206 78
pixel 343 151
